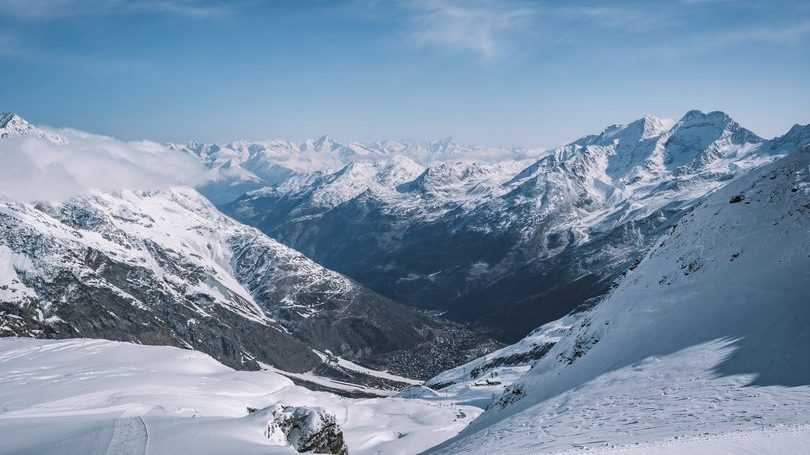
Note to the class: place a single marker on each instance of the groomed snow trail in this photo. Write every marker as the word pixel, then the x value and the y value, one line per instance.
pixel 129 437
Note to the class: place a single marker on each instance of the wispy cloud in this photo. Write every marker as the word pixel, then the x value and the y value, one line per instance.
pixel 783 35
pixel 481 27
pixel 632 19
pixel 723 41
pixel 54 9
pixel 705 2
pixel 778 35
pixel 490 28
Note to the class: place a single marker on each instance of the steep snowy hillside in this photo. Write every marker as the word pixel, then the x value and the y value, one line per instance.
pixel 532 238
pixel 167 268
pixel 96 397
pixel 701 349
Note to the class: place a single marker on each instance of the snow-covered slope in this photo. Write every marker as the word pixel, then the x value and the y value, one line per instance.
pixel 537 237
pixel 699 349
pixel 152 267
pixel 88 397
pixel 166 267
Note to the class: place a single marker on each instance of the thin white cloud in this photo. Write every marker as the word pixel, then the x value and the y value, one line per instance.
pixel 631 19
pixel 778 35
pixel 771 35
pixel 54 9
pixel 704 2
pixel 32 168
pixel 481 27
pixel 191 8
pixel 722 40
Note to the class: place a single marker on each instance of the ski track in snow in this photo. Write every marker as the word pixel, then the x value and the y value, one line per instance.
pixel 130 437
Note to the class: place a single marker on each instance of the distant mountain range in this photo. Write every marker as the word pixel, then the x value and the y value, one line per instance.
pixel 240 166
pixel 486 240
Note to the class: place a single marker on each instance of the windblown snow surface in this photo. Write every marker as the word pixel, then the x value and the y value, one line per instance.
pixel 703 349
pixel 86 397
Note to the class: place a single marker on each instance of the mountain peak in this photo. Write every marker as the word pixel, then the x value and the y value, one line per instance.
pixel 715 117
pixel 799 130
pixel 714 123
pixel 652 126
pixel 12 125
pixel 646 127
pixel 796 138
pixel 442 145
pixel 12 120
pixel 325 139
pixel 659 122
pixel 323 143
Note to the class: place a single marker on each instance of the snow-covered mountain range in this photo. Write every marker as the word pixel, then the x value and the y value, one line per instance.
pixel 166 267
pixel 487 240
pixel 430 225
pixel 701 349
pixel 240 166
pixel 658 268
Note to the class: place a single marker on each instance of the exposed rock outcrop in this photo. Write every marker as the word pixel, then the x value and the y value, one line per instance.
pixel 305 429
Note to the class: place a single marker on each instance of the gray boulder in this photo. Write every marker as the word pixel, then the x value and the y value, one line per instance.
pixel 306 429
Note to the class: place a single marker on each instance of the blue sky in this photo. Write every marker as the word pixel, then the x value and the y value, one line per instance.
pixel 506 72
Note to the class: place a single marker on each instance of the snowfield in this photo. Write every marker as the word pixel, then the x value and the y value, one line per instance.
pixel 85 397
